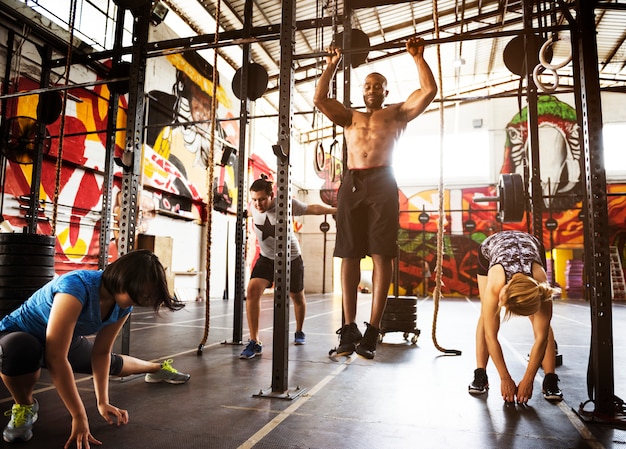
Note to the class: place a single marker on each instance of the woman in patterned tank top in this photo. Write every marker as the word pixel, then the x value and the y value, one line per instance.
pixel 511 275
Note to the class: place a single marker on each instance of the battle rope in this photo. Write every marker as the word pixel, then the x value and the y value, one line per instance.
pixel 59 161
pixel 209 205
pixel 440 221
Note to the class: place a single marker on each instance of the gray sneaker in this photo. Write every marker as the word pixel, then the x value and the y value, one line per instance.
pixel 20 426
pixel 168 374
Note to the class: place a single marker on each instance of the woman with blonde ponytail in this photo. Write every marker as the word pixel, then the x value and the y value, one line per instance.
pixel 511 275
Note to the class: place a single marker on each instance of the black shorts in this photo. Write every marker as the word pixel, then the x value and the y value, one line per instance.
pixel 483 264
pixel 367 214
pixel 22 353
pixel 264 269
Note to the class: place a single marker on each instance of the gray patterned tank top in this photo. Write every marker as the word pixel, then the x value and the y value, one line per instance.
pixel 514 250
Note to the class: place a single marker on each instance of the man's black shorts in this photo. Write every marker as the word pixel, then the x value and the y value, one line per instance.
pixel 367 213
pixel 264 269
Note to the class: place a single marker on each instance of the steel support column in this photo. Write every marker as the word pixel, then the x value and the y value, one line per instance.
pixel 282 258
pixel 32 215
pixel 533 150
pixel 346 61
pixel 283 200
pixel 242 162
pixel 109 168
pixel 131 158
pixel 600 376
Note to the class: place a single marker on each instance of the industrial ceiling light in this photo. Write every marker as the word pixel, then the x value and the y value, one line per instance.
pixel 159 11
pixel 458 62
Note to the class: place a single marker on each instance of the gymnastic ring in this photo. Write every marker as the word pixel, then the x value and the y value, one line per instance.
pixel 545 62
pixel 537 71
pixel 320 157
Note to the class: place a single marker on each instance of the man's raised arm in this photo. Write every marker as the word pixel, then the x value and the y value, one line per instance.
pixel 419 100
pixel 330 107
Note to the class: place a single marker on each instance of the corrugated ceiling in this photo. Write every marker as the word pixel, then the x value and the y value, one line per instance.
pixel 472 36
pixel 466 38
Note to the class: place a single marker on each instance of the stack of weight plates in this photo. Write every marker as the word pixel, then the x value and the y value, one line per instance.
pixel 26 263
pixel 400 316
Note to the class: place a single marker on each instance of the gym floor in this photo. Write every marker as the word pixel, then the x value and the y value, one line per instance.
pixel 410 395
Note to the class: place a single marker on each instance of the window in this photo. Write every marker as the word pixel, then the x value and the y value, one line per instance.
pixel 614 148
pixel 466 159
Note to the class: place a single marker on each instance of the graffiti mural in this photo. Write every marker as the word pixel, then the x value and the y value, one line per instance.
pixel 559 148
pixel 180 138
pixel 176 157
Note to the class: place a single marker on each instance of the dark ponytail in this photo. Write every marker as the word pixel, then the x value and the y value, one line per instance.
pixel 262 185
pixel 140 274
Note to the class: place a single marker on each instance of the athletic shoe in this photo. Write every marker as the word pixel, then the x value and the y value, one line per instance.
pixel 349 336
pixel 168 374
pixel 367 347
pixel 20 426
pixel 480 384
pixel 253 349
pixel 299 338
pixel 551 390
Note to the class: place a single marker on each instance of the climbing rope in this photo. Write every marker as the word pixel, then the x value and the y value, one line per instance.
pixel 59 161
pixel 440 221
pixel 209 204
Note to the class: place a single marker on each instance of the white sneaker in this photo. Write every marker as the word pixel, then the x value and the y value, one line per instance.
pixel 168 374
pixel 20 426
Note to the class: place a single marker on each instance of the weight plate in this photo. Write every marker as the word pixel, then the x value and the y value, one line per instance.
pixel 511 192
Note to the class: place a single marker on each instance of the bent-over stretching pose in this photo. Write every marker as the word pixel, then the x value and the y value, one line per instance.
pixel 511 274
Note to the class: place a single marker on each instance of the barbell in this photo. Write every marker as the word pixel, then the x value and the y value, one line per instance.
pixel 511 197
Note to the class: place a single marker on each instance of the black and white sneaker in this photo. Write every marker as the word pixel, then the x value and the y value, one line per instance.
pixel 349 336
pixel 367 346
pixel 551 390
pixel 480 384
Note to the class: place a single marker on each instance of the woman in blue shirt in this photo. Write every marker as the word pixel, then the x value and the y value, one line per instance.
pixel 49 331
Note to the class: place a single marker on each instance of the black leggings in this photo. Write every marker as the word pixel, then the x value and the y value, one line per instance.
pixel 22 353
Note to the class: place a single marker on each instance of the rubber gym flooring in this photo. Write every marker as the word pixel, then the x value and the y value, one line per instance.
pixel 409 396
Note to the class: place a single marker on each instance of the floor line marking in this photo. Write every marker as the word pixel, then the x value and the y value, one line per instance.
pixel 573 418
pixel 274 423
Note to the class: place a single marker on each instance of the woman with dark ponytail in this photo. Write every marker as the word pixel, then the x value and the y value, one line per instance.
pixel 49 330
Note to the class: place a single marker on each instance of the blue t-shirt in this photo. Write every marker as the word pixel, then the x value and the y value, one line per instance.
pixel 33 315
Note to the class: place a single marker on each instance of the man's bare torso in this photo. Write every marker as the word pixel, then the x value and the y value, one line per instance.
pixel 372 136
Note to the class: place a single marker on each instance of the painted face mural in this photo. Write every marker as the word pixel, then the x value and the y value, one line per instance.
pixel 179 135
pixel 559 147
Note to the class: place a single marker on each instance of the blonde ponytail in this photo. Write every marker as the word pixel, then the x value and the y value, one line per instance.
pixel 524 295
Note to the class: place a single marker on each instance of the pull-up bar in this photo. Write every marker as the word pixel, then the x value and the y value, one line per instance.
pixel 402 42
